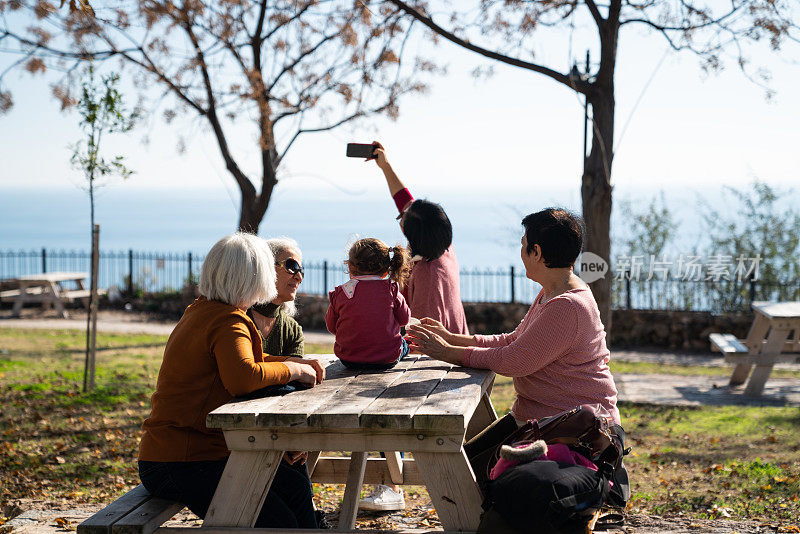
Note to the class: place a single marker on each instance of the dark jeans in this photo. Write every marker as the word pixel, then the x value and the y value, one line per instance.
pixel 288 503
pixel 363 366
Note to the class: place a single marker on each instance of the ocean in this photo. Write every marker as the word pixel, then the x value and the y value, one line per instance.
pixel 486 226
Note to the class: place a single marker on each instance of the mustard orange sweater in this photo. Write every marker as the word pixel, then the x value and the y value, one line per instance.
pixel 213 354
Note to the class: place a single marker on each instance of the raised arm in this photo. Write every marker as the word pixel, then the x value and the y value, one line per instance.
pixel 400 194
pixel 394 183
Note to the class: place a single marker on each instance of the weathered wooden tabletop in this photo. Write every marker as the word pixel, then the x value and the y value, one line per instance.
pixel 421 406
pixel 52 277
pixel 778 310
pixel 419 393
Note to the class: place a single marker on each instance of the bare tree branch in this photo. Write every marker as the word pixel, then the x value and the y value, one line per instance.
pixel 598 18
pixel 576 85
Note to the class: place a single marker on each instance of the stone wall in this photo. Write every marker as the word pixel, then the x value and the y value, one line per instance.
pixel 674 330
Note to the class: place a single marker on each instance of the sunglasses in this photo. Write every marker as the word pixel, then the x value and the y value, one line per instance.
pixel 291 266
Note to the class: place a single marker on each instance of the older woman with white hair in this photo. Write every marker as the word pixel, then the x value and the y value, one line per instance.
pixel 213 354
pixel 281 334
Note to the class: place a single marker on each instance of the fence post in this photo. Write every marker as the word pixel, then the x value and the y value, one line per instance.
pixel 44 260
pixel 130 272
pixel 189 282
pixel 325 277
pixel 512 285
pixel 628 290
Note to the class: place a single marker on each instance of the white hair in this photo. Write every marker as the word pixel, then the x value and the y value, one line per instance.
pixel 239 270
pixel 279 246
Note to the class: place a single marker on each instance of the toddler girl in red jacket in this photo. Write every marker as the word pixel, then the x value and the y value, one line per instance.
pixel 367 311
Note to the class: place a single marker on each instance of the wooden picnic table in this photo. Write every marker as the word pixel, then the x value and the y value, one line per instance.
pixel 421 406
pixel 47 289
pixel 774 337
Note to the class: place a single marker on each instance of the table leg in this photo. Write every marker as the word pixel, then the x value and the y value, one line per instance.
pixel 56 301
pixel 753 341
pixel 395 464
pixel 16 310
pixel 352 491
pixel 452 488
pixel 774 345
pixel 483 416
pixel 243 488
pixel 311 462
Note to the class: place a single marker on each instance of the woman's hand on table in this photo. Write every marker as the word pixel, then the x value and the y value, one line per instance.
pixel 306 372
pixel 424 339
pixel 313 363
pixel 437 328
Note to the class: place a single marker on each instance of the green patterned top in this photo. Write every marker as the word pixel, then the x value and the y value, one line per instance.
pixel 286 337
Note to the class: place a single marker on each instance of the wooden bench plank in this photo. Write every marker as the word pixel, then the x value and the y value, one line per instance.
pixel 13 294
pixel 73 294
pixel 342 410
pixel 147 517
pixel 451 405
pixel 101 522
pixel 396 406
pixel 727 344
pixel 334 470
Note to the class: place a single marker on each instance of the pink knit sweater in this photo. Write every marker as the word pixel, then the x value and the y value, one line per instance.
pixel 557 357
pixel 433 287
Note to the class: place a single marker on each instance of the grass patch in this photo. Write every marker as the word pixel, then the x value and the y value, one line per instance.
pixel 57 442
pixel 686 370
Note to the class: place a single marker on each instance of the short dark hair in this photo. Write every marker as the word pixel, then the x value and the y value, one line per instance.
pixel 558 233
pixel 428 229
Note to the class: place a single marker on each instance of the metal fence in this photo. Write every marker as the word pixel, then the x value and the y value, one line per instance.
pixel 136 272
pixel 129 271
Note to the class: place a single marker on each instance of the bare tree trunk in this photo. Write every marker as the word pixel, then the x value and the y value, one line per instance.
pixel 596 182
pixel 596 196
pixel 254 205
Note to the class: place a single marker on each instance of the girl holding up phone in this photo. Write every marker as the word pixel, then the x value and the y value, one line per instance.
pixel 433 286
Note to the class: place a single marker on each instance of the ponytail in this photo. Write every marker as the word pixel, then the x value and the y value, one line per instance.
pixel 399 265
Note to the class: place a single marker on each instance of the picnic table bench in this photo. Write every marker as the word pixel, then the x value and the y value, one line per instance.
pixel 421 406
pixel 774 337
pixel 47 289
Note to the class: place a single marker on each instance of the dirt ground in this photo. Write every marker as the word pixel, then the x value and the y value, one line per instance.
pixel 40 517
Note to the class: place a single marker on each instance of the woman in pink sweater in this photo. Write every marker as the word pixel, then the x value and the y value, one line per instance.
pixel 557 356
pixel 433 286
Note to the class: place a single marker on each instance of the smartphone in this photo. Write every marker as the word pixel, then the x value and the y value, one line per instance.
pixel 359 150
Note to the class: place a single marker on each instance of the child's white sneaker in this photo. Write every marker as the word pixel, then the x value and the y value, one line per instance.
pixel 383 498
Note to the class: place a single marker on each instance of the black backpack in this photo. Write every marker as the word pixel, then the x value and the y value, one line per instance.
pixel 550 497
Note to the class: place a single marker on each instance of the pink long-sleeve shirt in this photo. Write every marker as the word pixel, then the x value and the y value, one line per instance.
pixel 366 314
pixel 433 288
pixel 557 357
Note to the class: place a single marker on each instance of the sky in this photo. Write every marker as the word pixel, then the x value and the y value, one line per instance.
pixel 517 133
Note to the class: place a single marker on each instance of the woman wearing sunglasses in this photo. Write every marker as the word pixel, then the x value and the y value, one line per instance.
pixel 213 354
pixel 282 335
